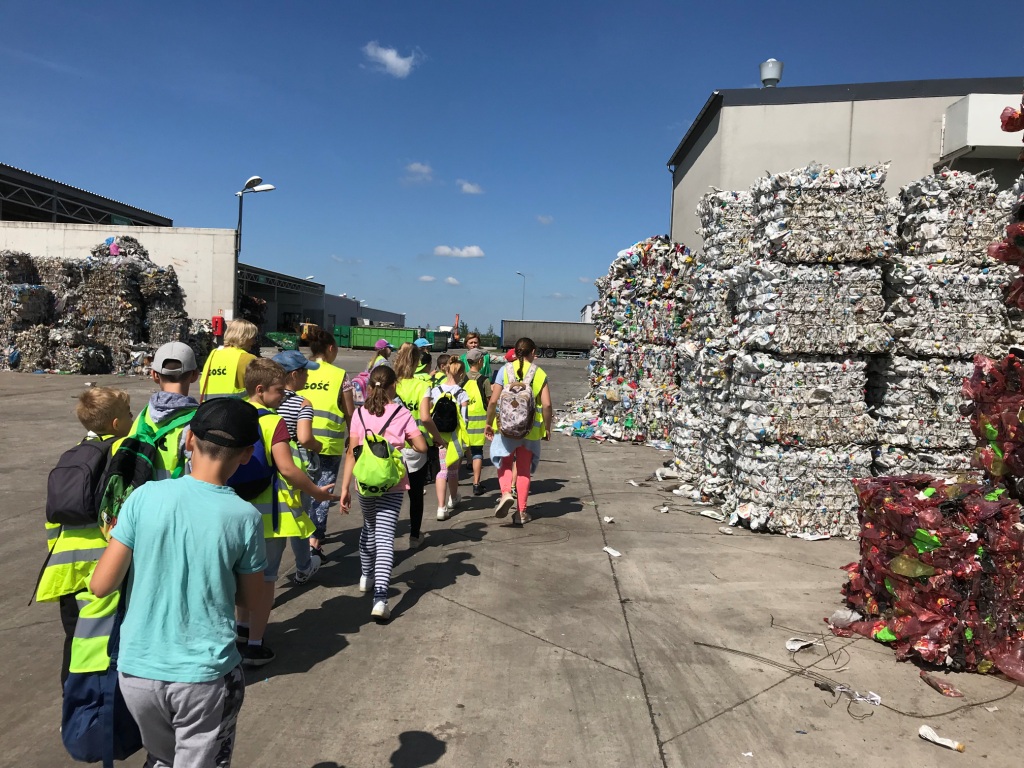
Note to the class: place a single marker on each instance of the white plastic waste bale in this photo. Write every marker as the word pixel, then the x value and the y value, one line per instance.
pixel 726 220
pixel 822 215
pixel 789 489
pixel 899 460
pixel 715 401
pixel 713 299
pixel 803 401
pixel 950 311
pixel 918 403
pixel 811 309
pixel 950 218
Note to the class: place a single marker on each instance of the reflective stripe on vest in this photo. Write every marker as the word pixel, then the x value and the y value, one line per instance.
pixel 292 519
pixel 539 378
pixel 220 374
pixel 96 619
pixel 72 559
pixel 323 390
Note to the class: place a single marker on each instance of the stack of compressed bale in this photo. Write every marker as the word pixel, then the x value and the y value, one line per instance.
pixel 800 432
pixel 688 421
pixel 95 315
pixel 1010 249
pixel 640 318
pixel 945 295
pixel 945 290
pixel 918 403
pixel 939 573
pixel 995 392
pixel 812 297
pixel 699 436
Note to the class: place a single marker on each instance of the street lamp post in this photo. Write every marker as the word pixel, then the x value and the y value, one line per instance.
pixel 253 184
pixel 522 314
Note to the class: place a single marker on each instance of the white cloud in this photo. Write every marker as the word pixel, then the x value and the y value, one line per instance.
pixel 586 280
pixel 419 173
pixel 389 60
pixel 451 281
pixel 469 252
pixel 557 296
pixel 427 278
pixel 544 219
pixel 469 188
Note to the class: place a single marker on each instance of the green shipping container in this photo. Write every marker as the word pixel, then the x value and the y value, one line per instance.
pixel 343 335
pixel 364 337
pixel 284 340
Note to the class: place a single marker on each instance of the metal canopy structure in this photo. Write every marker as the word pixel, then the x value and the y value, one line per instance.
pixel 27 196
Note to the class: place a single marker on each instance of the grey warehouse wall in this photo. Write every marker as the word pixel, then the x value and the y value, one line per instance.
pixel 204 259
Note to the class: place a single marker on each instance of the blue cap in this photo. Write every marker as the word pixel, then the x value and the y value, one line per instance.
pixel 293 360
pixel 422 343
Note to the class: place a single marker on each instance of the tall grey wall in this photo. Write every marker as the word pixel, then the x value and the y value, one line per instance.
pixel 204 259
pixel 747 142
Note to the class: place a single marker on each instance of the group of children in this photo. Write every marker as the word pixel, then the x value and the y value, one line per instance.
pixel 197 558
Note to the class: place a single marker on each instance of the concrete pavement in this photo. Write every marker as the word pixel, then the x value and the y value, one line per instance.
pixel 522 647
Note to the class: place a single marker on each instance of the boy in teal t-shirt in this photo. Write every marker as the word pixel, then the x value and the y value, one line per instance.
pixel 191 543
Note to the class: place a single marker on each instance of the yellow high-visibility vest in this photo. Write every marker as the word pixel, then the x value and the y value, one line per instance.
pixel 292 519
pixel 477 413
pixel 220 374
pixel 411 392
pixel 96 619
pixel 323 390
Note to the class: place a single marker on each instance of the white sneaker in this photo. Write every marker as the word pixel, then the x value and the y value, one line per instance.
pixel 381 610
pixel 504 505
pixel 415 542
pixel 301 577
pixel 453 501
pixel 365 584
pixel 442 513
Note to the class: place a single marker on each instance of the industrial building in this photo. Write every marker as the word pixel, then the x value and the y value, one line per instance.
pixel 920 126
pixel 45 217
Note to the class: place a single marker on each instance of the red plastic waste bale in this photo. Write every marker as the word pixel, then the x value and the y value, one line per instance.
pixel 995 392
pixel 941 572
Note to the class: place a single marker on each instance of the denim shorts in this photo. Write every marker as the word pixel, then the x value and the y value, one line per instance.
pixel 275 551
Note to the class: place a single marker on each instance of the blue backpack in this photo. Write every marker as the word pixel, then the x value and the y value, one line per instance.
pixel 96 725
pixel 253 478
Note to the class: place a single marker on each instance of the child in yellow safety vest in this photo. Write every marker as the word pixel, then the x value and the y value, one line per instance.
pixel 264 386
pixel 478 387
pixel 75 541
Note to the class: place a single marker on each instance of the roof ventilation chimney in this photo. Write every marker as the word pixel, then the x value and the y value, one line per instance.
pixel 771 73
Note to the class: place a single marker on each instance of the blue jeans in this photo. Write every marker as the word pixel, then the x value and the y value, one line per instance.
pixel 325 474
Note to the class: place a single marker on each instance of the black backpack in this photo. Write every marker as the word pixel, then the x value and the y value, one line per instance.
pixel 445 413
pixel 72 487
pixel 132 464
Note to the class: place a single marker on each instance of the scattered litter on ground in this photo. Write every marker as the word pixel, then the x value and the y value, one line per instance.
pixel 714 514
pixel 727 530
pixel 796 644
pixel 612 552
pixel 941 686
pixel 609 520
pixel 991 709
pixel 928 733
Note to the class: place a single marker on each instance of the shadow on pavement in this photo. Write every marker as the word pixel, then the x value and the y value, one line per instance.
pixel 417 749
pixel 430 576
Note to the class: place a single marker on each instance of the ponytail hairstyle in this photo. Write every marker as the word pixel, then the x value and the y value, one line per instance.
pixel 406 361
pixel 524 348
pixel 320 342
pixel 456 370
pixel 382 378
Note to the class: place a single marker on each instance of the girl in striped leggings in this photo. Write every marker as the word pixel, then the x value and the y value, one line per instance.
pixel 381 416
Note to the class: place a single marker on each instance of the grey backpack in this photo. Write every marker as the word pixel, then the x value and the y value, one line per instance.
pixel 517 407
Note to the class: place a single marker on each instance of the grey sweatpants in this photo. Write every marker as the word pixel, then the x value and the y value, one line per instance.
pixel 186 724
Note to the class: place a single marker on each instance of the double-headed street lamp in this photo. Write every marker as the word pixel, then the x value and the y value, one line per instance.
pixel 254 184
pixel 522 314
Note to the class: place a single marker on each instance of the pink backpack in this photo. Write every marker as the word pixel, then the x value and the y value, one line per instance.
pixel 517 407
pixel 360 386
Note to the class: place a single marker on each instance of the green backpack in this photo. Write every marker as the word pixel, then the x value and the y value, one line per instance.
pixel 378 469
pixel 132 464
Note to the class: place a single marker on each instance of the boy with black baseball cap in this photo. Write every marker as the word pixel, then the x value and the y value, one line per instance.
pixel 191 543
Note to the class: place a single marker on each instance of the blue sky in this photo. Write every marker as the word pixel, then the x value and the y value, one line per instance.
pixel 458 141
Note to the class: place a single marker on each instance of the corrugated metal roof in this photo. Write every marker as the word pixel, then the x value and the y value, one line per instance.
pixel 79 189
